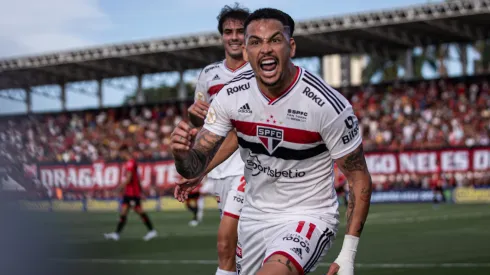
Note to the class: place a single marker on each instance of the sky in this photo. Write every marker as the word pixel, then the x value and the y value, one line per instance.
pixel 30 27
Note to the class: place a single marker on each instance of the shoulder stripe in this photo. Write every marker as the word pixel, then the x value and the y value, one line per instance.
pixel 326 88
pixel 244 77
pixel 249 72
pixel 328 99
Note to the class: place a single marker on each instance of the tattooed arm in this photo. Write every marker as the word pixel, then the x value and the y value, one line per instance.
pixel 194 162
pixel 355 169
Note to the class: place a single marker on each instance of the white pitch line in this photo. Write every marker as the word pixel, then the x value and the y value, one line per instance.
pixel 212 262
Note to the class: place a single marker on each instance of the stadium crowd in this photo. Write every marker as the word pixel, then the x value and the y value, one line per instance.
pixel 424 115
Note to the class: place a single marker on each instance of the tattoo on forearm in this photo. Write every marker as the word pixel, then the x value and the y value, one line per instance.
pixel 366 193
pixel 287 263
pixel 355 161
pixel 205 147
pixel 350 207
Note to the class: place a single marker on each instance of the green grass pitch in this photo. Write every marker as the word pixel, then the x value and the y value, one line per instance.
pixel 397 239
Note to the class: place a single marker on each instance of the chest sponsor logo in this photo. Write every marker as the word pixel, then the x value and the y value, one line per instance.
pixel 236 89
pixel 313 96
pixel 270 137
pixel 256 167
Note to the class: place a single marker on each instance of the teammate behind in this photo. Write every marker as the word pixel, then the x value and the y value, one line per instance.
pixel 132 191
pixel 296 127
pixel 227 177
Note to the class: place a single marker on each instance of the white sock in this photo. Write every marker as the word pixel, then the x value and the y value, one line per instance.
pixel 200 208
pixel 224 272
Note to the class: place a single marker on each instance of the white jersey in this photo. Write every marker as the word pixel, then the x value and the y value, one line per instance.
pixel 211 80
pixel 288 144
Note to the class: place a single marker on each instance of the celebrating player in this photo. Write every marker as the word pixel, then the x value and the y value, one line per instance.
pixel 227 177
pixel 294 129
pixel 131 187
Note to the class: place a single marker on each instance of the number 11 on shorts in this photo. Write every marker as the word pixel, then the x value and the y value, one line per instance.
pixel 311 228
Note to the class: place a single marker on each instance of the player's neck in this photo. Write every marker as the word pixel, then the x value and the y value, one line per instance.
pixel 233 63
pixel 276 91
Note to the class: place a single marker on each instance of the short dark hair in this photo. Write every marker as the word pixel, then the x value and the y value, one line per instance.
pixel 270 13
pixel 236 12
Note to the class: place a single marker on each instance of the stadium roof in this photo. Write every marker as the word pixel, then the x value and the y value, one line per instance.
pixel 380 32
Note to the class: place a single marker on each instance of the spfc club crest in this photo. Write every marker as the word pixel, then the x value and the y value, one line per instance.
pixel 270 137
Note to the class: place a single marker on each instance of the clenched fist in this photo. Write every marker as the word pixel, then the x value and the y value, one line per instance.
pixel 181 140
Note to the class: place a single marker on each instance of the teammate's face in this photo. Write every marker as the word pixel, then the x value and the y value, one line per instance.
pixel 269 50
pixel 233 37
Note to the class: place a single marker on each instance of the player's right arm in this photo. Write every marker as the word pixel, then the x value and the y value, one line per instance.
pixel 229 146
pixel 192 162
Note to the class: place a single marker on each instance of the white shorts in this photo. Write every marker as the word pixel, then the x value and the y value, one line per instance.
pixel 229 194
pixel 303 242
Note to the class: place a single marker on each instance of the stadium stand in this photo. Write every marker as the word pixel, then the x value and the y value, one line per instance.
pixel 418 115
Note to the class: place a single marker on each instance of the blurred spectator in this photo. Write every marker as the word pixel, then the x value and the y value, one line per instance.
pixel 425 115
pixel 88 136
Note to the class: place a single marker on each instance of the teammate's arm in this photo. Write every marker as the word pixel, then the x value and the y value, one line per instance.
pixel 197 111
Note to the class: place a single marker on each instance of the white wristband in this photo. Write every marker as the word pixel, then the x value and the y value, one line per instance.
pixel 349 248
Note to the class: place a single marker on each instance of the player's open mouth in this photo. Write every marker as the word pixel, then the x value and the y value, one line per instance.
pixel 268 66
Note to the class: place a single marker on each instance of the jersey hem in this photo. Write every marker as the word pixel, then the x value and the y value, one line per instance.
pixel 231 215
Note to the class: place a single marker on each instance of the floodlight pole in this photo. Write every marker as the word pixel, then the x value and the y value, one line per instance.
pixel 140 99
pixel 63 96
pixel 100 95
pixel 28 99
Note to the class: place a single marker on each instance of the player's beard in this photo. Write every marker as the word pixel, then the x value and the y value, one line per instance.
pixel 273 84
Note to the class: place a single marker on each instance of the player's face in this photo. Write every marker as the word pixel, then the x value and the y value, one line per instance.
pixel 269 50
pixel 233 37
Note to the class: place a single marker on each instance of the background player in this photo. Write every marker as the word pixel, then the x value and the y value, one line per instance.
pixel 227 177
pixel 132 191
pixel 195 201
pixel 290 192
pixel 340 184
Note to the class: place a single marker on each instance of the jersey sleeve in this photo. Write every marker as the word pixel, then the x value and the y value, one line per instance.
pixel 341 134
pixel 200 93
pixel 218 120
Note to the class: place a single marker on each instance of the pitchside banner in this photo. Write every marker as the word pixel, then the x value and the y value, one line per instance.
pixel 426 162
pixel 162 174
pixel 106 175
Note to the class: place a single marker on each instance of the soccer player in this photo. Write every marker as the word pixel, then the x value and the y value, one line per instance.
pixel 340 184
pixel 132 190
pixel 227 177
pixel 295 128
pixel 195 201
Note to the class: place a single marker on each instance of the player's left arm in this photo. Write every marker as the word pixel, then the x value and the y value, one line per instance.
pixel 354 167
pixel 343 139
